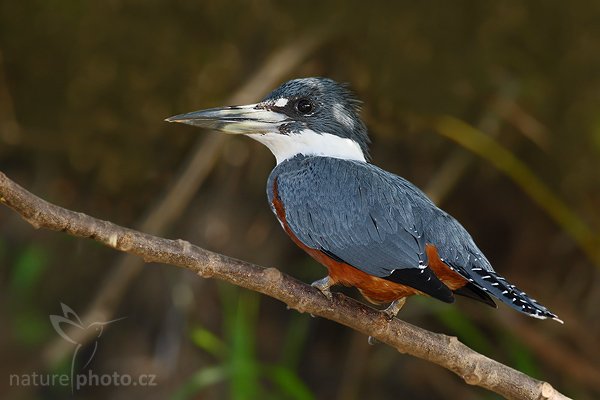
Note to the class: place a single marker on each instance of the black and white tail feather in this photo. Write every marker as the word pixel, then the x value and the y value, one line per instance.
pixel 495 284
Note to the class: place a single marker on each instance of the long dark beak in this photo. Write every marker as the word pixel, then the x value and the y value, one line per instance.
pixel 249 119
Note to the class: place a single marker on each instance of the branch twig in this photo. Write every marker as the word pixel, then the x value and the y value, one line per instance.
pixel 447 351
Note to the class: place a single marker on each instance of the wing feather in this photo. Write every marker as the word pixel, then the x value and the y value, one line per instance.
pixel 360 214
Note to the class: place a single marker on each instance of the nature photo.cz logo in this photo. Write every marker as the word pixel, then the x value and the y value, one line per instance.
pixel 70 327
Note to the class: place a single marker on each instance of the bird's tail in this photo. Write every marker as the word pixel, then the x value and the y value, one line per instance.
pixel 509 294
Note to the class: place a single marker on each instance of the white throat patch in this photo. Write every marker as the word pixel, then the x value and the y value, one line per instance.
pixel 310 143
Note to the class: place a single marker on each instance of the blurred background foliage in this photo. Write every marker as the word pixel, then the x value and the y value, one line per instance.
pixel 84 89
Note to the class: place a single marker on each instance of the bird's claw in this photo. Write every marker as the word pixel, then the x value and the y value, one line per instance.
pixel 323 285
pixel 394 308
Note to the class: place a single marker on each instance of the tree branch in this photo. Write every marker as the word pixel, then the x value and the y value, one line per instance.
pixel 447 351
pixel 193 171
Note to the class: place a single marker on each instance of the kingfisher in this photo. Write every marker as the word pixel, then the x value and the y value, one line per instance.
pixel 370 228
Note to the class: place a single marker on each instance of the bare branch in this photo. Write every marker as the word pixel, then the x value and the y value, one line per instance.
pixel 194 170
pixel 447 351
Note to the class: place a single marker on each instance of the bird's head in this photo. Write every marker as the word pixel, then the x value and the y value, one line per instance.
pixel 311 116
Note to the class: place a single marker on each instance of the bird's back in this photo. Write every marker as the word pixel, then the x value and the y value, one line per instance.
pixel 349 202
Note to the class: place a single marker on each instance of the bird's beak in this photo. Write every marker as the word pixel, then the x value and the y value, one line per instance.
pixel 249 119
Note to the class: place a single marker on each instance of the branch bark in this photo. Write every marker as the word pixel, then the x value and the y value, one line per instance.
pixel 446 351
pixel 194 170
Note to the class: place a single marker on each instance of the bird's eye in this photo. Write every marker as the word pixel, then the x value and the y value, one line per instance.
pixel 304 106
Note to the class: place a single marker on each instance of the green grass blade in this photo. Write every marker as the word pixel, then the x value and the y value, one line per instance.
pixel 506 162
pixel 241 314
pixel 521 356
pixel 209 342
pixel 28 269
pixel 288 382
pixel 200 380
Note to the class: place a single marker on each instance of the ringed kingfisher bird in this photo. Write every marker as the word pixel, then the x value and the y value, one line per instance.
pixel 372 229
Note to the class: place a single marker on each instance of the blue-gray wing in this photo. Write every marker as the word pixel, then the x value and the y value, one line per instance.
pixel 360 214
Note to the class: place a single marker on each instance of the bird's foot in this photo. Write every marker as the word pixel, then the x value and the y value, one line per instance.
pixel 323 285
pixel 394 308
